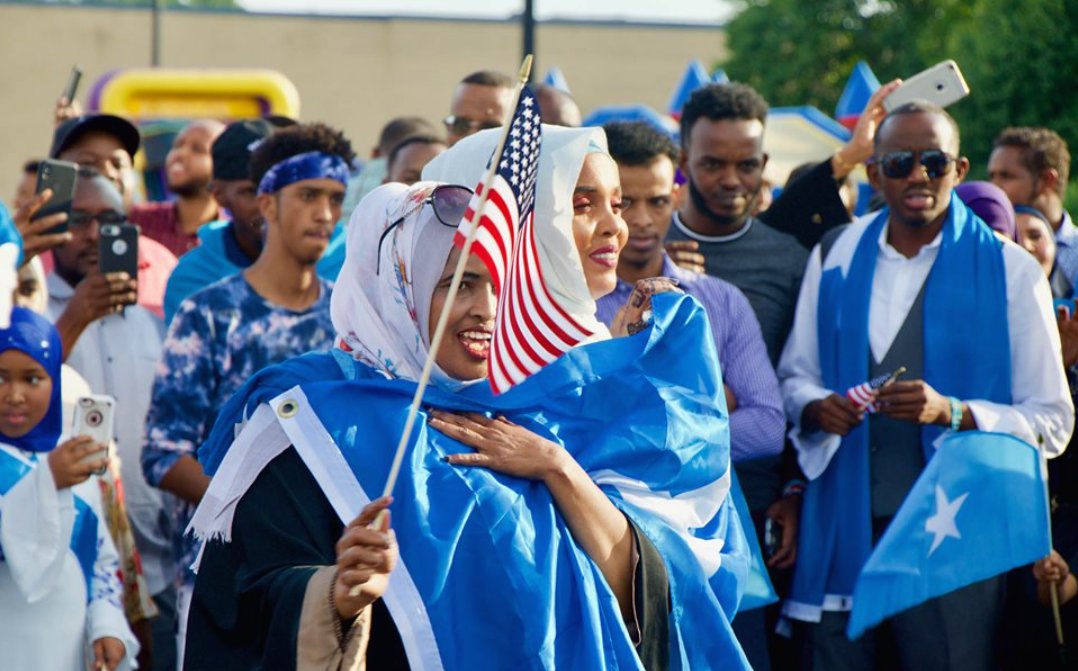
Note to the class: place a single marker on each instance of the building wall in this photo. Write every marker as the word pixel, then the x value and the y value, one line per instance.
pixel 353 73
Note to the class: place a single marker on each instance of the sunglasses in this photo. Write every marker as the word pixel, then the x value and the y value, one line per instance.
pixel 465 126
pixel 899 164
pixel 449 202
pixel 80 219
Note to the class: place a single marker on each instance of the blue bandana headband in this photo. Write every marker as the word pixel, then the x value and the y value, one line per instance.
pixel 310 165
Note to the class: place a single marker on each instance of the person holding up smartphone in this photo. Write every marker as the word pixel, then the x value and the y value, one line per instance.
pixel 59 583
pixel 116 353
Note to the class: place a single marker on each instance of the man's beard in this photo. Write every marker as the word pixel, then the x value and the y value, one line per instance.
pixel 189 189
pixel 700 204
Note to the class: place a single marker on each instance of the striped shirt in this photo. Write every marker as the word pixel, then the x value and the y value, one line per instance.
pixel 758 423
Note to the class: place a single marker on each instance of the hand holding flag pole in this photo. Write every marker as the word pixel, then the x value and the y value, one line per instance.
pixel 1053 587
pixel 443 318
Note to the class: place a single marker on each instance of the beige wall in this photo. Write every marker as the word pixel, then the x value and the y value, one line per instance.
pixel 351 73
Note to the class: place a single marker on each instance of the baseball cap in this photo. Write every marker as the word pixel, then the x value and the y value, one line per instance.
pixel 68 132
pixel 232 149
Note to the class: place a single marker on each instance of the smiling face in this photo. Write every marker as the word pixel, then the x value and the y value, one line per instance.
pixel 724 162
pixel 465 347
pixel 598 229
pixel 300 218
pixel 917 200
pixel 25 392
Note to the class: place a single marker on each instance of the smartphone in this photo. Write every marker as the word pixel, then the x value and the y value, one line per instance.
pixel 72 86
pixel 60 177
pixel 942 84
pixel 771 538
pixel 118 249
pixel 95 417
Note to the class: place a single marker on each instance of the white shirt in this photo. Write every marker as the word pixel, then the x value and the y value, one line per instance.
pixel 45 620
pixel 1041 402
pixel 117 355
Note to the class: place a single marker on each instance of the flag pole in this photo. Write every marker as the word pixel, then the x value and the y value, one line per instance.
pixel 1053 587
pixel 454 286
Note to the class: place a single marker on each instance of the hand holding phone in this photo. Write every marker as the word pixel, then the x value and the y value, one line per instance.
pixel 59 178
pixel 94 418
pixel 942 85
pixel 66 105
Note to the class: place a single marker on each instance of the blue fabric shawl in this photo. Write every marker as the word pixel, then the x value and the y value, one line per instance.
pixel 477 542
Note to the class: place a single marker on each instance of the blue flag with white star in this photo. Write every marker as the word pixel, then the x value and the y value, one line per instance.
pixel 978 510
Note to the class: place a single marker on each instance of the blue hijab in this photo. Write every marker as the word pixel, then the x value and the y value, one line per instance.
pixel 33 335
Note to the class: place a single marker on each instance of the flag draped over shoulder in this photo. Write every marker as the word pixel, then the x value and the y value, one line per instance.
pixel 490 576
pixel 979 509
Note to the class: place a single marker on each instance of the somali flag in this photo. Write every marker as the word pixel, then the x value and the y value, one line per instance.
pixel 979 509
pixel 758 590
pixel 489 575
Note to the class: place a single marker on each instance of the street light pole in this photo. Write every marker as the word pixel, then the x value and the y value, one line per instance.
pixel 155 34
pixel 528 24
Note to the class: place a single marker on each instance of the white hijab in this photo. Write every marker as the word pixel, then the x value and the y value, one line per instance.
pixel 561 157
pixel 381 300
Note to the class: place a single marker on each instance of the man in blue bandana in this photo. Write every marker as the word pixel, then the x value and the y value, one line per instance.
pixel 275 309
pixel 924 285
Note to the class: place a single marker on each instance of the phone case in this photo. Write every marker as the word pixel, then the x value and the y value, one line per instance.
pixel 118 249
pixel 94 417
pixel 60 177
pixel 942 84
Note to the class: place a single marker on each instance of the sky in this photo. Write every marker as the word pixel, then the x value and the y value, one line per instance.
pixel 683 11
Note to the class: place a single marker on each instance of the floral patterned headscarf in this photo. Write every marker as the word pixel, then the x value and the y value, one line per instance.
pixel 381 301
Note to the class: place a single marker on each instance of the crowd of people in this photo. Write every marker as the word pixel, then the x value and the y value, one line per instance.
pixel 263 357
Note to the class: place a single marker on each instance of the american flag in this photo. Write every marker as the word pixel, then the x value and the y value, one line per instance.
pixel 864 395
pixel 531 328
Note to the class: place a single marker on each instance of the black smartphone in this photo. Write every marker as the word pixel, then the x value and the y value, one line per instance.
pixel 118 249
pixel 60 177
pixel 72 86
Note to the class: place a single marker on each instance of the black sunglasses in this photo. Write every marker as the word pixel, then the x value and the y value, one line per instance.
pixel 80 219
pixel 449 202
pixel 899 164
pixel 465 126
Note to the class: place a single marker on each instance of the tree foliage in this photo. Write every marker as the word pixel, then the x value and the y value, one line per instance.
pixel 1018 58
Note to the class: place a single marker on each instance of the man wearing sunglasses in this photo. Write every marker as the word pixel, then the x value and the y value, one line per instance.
pixel 275 309
pixel 480 101
pixel 915 286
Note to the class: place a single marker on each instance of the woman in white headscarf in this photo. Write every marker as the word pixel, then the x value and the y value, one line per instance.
pixel 453 602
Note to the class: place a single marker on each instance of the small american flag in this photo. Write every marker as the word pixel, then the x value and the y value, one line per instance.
pixel 531 328
pixel 864 395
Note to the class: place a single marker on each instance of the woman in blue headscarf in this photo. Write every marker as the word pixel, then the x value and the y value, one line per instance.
pixel 59 585
pixel 492 572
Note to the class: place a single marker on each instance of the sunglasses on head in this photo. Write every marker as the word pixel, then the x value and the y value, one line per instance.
pixel 899 164
pixel 465 126
pixel 449 202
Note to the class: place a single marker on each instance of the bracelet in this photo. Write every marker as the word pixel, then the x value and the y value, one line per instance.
pixel 956 413
pixel 843 164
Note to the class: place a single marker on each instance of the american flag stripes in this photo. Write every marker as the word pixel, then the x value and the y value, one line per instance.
pixel 864 395
pixel 531 328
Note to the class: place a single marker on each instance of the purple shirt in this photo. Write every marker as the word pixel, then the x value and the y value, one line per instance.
pixel 758 424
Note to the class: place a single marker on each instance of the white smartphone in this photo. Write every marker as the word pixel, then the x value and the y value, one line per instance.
pixel 942 84
pixel 95 416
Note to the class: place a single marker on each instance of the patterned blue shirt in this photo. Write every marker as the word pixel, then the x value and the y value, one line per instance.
pixel 758 424
pixel 219 337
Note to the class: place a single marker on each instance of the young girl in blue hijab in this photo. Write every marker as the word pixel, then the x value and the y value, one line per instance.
pixel 59 573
